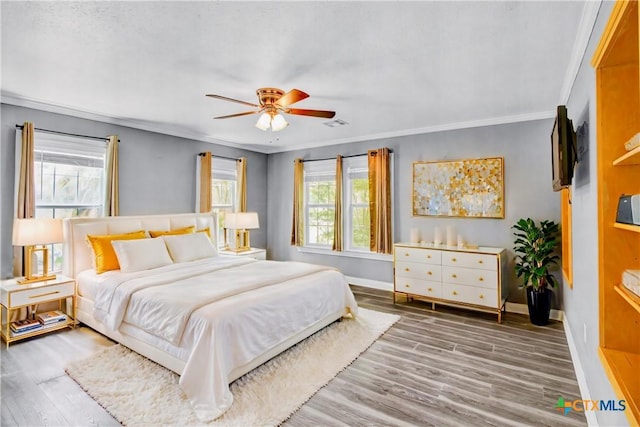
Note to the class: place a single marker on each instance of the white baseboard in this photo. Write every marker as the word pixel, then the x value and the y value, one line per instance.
pixel 592 420
pixel 368 283
pixel 518 308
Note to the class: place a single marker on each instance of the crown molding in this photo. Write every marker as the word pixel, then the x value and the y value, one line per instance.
pixel 167 130
pixel 585 29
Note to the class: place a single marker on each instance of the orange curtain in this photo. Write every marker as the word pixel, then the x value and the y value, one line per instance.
pixel 204 195
pixel 112 187
pixel 26 197
pixel 380 201
pixel 241 173
pixel 297 227
pixel 337 218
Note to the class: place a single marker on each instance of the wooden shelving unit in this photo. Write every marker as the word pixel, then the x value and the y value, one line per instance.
pixel 617 65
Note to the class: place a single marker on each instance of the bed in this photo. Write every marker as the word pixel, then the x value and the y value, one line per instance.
pixel 210 319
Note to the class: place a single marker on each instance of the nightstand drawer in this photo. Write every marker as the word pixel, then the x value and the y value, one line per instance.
pixel 19 298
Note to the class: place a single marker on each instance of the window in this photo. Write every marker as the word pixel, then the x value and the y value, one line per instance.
pixel 357 229
pixel 319 205
pixel 319 196
pixel 69 180
pixel 223 191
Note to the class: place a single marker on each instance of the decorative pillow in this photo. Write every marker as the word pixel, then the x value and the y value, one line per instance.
pixel 141 254
pixel 103 254
pixel 190 247
pixel 184 230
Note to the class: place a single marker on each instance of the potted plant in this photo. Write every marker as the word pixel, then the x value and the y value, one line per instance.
pixel 535 255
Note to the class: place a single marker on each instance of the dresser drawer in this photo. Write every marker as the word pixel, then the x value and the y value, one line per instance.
pixel 429 256
pixel 470 260
pixel 418 287
pixel 470 276
pixel 41 294
pixel 418 270
pixel 470 295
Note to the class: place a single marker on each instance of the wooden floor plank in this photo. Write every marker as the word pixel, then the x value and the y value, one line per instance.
pixel 447 367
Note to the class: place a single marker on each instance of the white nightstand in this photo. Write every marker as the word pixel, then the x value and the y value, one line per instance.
pixel 255 253
pixel 15 296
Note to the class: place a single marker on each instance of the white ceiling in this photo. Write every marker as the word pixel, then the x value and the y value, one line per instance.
pixel 386 68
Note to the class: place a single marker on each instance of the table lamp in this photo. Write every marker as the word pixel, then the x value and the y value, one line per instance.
pixel 35 234
pixel 241 222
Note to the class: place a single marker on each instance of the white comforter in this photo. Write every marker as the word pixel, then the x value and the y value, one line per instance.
pixel 232 310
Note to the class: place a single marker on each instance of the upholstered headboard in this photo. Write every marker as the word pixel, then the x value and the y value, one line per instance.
pixel 77 254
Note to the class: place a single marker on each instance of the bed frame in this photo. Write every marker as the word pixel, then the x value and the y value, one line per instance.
pixel 77 258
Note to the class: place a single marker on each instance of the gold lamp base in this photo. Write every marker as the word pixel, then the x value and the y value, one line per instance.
pixel 242 242
pixel 29 276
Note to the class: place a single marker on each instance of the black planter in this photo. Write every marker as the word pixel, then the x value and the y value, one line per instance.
pixel 539 305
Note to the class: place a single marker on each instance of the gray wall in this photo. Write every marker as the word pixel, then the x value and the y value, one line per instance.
pixel 581 302
pixel 528 193
pixel 157 172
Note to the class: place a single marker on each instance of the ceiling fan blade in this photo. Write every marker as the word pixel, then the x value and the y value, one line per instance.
pixel 291 97
pixel 313 113
pixel 246 113
pixel 224 98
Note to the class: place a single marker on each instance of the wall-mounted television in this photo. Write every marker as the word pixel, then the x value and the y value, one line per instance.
pixel 563 149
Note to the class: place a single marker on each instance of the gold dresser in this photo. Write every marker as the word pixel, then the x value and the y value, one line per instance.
pixel 469 278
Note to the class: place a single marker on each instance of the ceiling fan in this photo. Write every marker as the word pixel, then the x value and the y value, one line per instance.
pixel 272 102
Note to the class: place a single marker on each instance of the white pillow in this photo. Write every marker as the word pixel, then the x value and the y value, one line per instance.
pixel 189 247
pixel 141 254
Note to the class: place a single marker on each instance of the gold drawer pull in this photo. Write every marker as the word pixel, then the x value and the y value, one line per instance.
pixel 454 293
pixel 480 261
pixel 406 254
pixel 429 273
pixel 454 276
pixel 406 286
pixel 429 289
pixel 428 256
pixel 453 260
pixel 481 296
pixel 44 295
pixel 481 279
pixel 406 269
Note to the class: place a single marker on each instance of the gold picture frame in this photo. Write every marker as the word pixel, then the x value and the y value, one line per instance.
pixel 472 188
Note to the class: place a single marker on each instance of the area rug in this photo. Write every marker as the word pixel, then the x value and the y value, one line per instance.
pixel 137 391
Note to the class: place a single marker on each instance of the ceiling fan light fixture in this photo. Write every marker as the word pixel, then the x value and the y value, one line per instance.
pixel 278 123
pixel 264 121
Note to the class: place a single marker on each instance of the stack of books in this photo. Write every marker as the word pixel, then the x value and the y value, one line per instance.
pixel 51 317
pixel 21 327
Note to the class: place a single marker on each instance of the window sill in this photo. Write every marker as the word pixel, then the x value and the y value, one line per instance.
pixel 350 254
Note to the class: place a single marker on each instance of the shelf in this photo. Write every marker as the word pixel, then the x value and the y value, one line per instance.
pixel 630 158
pixel 628 296
pixel 622 368
pixel 628 227
pixel 70 323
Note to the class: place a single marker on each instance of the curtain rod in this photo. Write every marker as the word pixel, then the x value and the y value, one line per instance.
pixel 102 138
pixel 344 157
pixel 221 157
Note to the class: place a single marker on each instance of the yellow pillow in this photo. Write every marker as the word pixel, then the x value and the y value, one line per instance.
pixel 185 230
pixel 104 256
pixel 205 230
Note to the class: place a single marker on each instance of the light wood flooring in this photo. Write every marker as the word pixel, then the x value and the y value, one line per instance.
pixel 443 368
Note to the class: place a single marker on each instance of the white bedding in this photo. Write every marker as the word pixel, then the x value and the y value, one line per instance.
pixel 236 309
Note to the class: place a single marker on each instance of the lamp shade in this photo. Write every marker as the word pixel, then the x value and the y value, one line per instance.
pixel 37 231
pixel 264 121
pixel 278 123
pixel 241 220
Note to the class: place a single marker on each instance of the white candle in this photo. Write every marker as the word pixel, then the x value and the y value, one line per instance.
pixel 437 236
pixel 460 241
pixel 415 235
pixel 451 236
